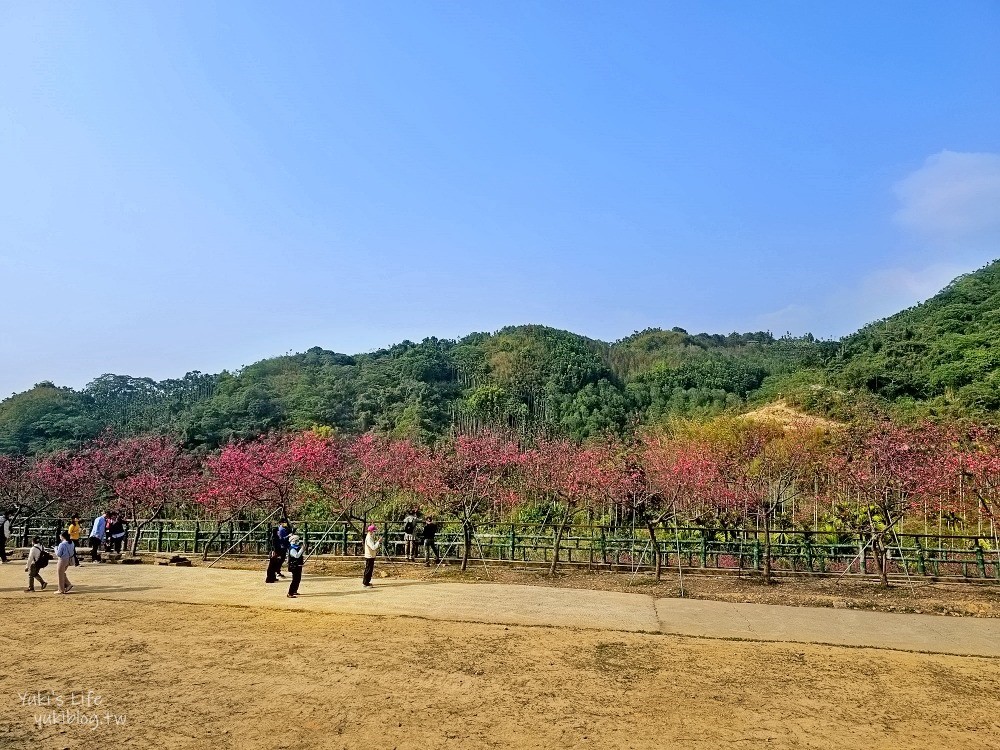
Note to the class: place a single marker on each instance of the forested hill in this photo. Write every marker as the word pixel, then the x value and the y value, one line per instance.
pixel 938 357
pixel 945 352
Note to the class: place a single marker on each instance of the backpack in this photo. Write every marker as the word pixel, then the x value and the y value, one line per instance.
pixel 409 527
pixel 43 559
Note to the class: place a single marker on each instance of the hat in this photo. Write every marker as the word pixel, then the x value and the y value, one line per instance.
pixel 373 527
pixel 294 539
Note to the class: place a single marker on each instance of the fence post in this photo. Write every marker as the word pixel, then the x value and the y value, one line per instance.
pixel 197 529
pixel 513 542
pixel 756 553
pixel 344 537
pixel 305 535
pixel 980 560
pixel 704 551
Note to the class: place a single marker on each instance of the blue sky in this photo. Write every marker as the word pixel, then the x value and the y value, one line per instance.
pixel 194 185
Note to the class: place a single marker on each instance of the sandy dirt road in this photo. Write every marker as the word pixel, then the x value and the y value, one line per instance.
pixel 241 674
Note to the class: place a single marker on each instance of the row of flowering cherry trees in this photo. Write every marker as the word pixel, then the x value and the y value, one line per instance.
pixel 869 479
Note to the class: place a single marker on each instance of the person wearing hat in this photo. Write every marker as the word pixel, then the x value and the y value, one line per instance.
pixel 371 549
pixel 33 564
pixel 296 559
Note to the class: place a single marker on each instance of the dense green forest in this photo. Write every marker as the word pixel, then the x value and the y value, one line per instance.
pixel 936 359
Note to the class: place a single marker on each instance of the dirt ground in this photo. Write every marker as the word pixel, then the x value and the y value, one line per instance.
pixel 198 677
pixel 922 596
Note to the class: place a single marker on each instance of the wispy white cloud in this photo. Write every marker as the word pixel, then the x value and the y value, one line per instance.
pixel 953 197
pixel 847 307
pixel 951 207
pixel 889 290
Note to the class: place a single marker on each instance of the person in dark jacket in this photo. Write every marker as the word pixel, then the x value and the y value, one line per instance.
pixel 279 549
pixel 4 533
pixel 428 535
pixel 296 559
pixel 410 534
pixel 117 533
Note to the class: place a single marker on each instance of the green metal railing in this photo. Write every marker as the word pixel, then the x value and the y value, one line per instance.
pixel 591 546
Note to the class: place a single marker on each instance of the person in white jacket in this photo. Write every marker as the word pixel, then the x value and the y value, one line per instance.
pixel 296 559
pixel 31 565
pixel 371 549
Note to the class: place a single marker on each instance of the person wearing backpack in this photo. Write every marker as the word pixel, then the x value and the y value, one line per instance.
pixel 64 553
pixel 38 558
pixel 410 535
pixel 429 534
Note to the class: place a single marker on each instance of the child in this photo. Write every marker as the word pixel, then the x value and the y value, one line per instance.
pixel 32 567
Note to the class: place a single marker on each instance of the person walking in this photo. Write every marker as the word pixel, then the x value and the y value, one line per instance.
pixel 4 533
pixel 74 536
pixel 296 559
pixel 410 535
pixel 279 549
pixel 428 534
pixel 38 558
pixel 97 532
pixel 64 553
pixel 371 549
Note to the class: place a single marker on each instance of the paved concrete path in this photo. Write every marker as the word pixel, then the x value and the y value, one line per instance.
pixel 527 605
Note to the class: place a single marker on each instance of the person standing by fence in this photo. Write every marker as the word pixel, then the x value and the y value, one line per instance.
pixel 117 531
pixel 4 533
pixel 410 535
pixel 38 558
pixel 74 536
pixel 296 559
pixel 64 553
pixel 428 534
pixel 371 549
pixel 97 532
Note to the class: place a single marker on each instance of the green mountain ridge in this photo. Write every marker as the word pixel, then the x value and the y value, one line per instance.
pixel 938 358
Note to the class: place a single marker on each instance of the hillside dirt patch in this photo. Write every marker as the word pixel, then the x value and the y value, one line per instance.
pixel 196 677
pixel 790 418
